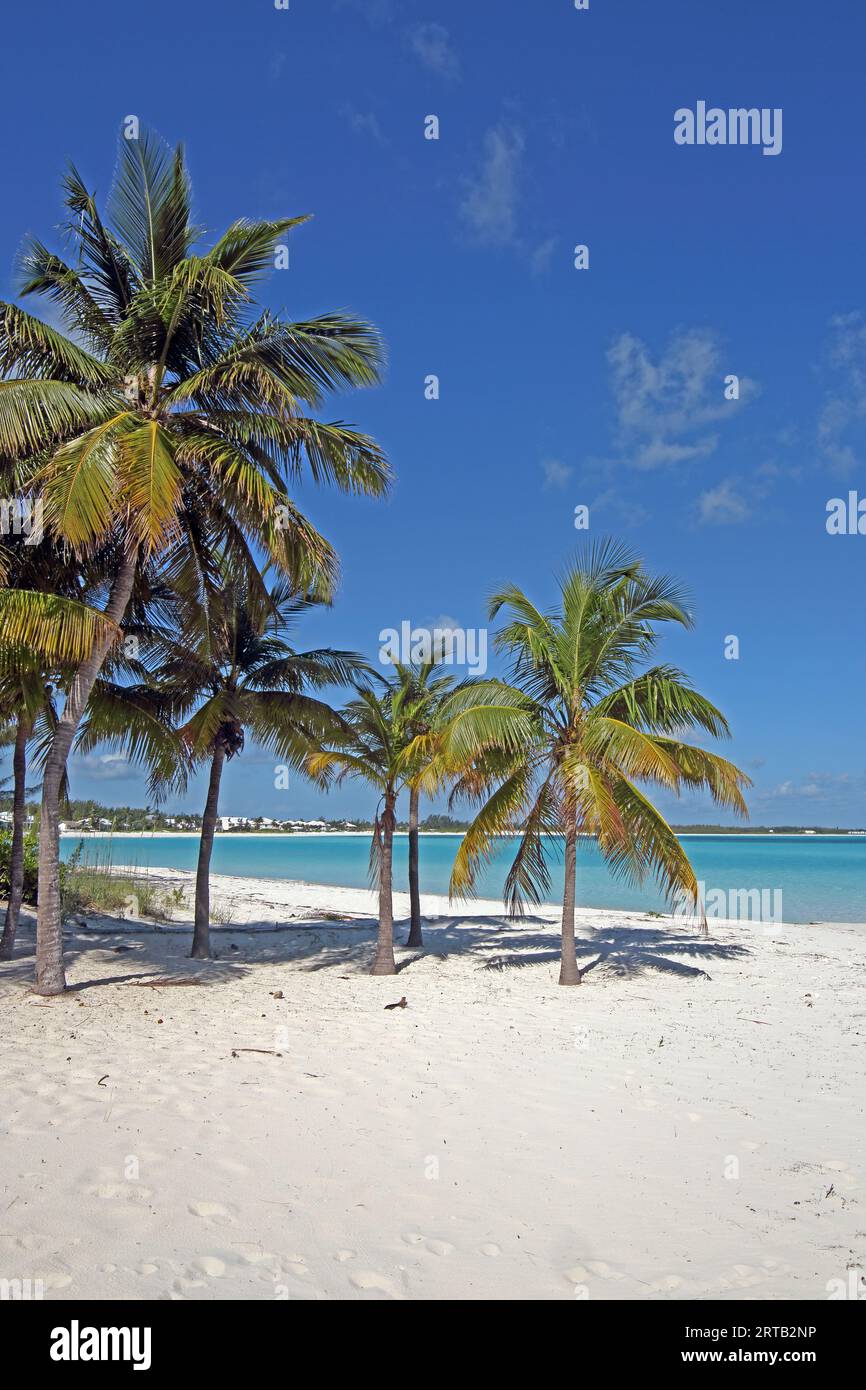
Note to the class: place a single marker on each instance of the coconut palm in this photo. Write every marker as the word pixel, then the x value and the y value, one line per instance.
pixel 424 698
pixel 231 672
pixel 562 747
pixel 374 745
pixel 29 684
pixel 174 417
pixel 31 700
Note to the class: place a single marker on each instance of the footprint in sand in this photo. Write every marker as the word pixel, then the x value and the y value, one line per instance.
pixel 490 1250
pixel 368 1281
pixel 603 1271
pixel 124 1191
pixel 57 1281
pixel 667 1284
pixel 212 1212
pixel 440 1247
pixel 255 1255
pixel 343 1255
pixel 210 1265
pixel 435 1247
pixel 745 1277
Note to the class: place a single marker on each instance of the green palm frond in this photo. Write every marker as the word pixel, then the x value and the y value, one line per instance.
pixel 56 630
pixel 32 349
pixel 80 482
pixel 151 481
pixel 36 413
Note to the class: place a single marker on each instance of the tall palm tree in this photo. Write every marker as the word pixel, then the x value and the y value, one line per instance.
pixel 379 730
pixel 230 672
pixel 173 416
pixel 560 749
pixel 29 702
pixel 29 685
pixel 424 698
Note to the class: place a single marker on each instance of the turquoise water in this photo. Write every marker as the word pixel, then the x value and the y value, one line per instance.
pixel 819 878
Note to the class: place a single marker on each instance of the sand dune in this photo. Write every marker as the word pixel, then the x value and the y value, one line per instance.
pixel 687 1124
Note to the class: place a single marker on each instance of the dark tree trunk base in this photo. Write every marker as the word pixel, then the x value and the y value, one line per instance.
pixel 384 967
pixel 415 937
pixel 567 978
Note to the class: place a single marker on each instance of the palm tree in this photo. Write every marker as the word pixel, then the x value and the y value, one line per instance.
pixel 173 418
pixel 231 671
pixel 27 700
pixel 561 748
pixel 374 745
pixel 29 686
pixel 424 697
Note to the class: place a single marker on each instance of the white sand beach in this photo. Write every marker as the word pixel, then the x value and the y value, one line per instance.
pixel 688 1124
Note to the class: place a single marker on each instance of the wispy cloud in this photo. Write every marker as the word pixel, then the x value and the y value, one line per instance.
pixel 541 258
pixel 735 500
pixel 490 203
pixel 106 767
pixel 431 44
pixel 376 12
pixel 556 474
pixel 617 507
pixel 816 786
pixel 844 408
pixel 723 505
pixel 365 123
pixel 668 407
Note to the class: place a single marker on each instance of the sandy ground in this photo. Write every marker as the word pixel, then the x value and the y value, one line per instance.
pixel 687 1124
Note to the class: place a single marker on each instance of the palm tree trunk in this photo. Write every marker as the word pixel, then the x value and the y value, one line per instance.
pixel 50 975
pixel 385 964
pixel 568 971
pixel 201 931
pixel 415 937
pixel 19 815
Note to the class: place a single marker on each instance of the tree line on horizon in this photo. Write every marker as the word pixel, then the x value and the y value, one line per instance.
pixel 161 429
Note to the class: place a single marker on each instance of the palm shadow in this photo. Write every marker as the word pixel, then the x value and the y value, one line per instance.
pixel 159 956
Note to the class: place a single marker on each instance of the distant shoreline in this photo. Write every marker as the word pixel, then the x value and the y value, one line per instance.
pixel 334 834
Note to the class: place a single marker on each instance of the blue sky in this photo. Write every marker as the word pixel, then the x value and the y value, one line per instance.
pixel 559 387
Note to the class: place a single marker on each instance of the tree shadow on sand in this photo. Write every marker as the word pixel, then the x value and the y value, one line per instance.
pixel 147 953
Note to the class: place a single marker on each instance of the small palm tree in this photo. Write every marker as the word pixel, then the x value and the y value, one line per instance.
pixel 231 672
pixel 424 698
pixel 379 730
pixel 30 683
pixel 169 415
pixel 560 749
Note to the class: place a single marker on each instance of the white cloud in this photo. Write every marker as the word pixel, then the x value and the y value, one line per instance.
pixel 540 260
pixel 617 507
pixel 376 12
pixel 489 207
pixel 365 123
pixel 556 474
pixel 817 786
pixel 106 767
pixel 723 505
pixel 431 44
pixel 666 407
pixel 844 410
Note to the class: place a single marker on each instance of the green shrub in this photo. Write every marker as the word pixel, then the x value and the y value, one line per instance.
pixel 31 863
pixel 98 887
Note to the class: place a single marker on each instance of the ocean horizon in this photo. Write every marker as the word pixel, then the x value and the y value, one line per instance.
pixel 800 878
